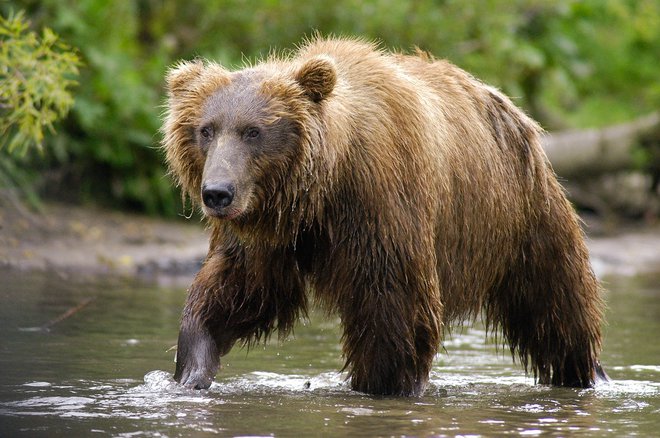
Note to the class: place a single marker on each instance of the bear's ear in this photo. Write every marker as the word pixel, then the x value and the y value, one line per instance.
pixel 317 77
pixel 182 74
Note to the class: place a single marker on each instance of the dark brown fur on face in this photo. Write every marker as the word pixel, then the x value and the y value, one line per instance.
pixel 399 191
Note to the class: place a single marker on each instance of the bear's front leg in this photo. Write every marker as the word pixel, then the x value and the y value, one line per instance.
pixel 236 296
pixel 197 355
pixel 202 339
pixel 391 336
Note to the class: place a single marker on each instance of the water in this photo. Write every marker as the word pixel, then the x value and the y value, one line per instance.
pixel 105 370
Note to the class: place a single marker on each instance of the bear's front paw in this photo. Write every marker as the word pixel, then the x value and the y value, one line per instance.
pixel 197 359
pixel 194 377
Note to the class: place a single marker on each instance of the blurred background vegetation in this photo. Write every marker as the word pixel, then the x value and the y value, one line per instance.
pixel 569 63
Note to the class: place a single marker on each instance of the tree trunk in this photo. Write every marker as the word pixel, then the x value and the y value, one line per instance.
pixel 582 154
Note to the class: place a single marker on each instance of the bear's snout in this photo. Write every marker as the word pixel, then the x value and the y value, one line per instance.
pixel 217 196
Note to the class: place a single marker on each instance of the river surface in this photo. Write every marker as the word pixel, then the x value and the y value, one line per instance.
pixel 106 369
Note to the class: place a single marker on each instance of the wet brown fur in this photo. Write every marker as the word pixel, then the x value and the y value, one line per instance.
pixel 416 196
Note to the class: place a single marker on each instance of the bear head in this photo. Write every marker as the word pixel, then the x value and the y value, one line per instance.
pixel 241 144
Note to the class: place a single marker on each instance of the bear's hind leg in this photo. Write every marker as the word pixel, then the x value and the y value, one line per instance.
pixel 549 307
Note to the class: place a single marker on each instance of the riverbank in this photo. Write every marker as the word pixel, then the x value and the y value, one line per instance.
pixel 83 241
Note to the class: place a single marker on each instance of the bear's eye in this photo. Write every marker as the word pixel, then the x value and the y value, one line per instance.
pixel 251 133
pixel 206 132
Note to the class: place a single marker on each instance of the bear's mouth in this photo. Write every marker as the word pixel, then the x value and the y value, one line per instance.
pixel 225 213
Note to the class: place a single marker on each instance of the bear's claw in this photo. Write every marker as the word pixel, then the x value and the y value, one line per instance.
pixel 195 379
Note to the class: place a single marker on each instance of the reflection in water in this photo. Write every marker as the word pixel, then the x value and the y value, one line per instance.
pixel 93 372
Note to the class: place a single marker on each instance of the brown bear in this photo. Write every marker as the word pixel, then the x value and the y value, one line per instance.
pixel 395 190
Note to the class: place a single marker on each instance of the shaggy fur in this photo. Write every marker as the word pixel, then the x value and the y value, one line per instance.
pixel 396 190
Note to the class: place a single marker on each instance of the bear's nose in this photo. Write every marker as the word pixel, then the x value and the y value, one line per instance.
pixel 217 195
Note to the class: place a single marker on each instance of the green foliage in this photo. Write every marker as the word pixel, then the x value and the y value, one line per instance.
pixel 36 74
pixel 568 62
pixel 108 151
pixel 619 43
